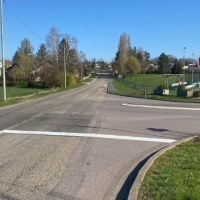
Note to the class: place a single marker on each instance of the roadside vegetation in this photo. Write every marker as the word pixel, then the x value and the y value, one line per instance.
pixel 137 85
pixel 140 74
pixel 175 175
pixel 21 92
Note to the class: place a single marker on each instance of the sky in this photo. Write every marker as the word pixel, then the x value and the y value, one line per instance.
pixel 157 26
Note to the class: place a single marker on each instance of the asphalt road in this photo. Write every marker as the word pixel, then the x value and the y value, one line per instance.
pixel 34 165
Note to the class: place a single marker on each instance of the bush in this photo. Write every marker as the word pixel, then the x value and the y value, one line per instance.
pixel 160 87
pixel 8 83
pixel 181 87
pixel 34 84
pixel 196 94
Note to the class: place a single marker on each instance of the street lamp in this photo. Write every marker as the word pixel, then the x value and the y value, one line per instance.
pixel 184 65
pixel 2 51
pixel 192 70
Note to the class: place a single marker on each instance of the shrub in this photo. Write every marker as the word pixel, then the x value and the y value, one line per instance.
pixel 34 84
pixel 72 79
pixel 160 87
pixel 196 94
pixel 8 83
pixel 181 87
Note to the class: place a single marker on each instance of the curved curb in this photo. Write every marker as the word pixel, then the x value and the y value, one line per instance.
pixel 136 185
pixel 125 175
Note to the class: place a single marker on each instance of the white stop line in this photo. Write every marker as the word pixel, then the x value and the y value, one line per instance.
pixel 91 135
pixel 160 107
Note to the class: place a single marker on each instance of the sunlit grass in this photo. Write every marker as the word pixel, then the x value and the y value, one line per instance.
pixel 175 175
pixel 15 94
pixel 148 82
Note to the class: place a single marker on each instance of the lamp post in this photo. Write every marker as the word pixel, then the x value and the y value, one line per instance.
pixel 184 64
pixel 192 70
pixel 2 50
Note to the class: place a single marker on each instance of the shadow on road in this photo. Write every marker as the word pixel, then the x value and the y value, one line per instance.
pixel 125 190
pixel 158 129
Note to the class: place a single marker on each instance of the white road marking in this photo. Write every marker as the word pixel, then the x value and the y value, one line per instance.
pixel 89 135
pixel 160 107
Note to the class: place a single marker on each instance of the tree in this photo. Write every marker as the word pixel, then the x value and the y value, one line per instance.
pixel 147 56
pixel 123 49
pixel 25 48
pixel 172 58
pixel 25 70
pixel 178 67
pixel 139 56
pixel 163 62
pixel 132 65
pixel 52 43
pixel 41 55
pixel 133 52
pixel 16 58
pixel 93 63
pixel 102 64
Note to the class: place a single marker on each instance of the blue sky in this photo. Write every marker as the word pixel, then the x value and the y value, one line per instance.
pixel 158 26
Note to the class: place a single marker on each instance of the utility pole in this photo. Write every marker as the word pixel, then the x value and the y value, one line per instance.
pixel 65 59
pixel 65 65
pixel 2 49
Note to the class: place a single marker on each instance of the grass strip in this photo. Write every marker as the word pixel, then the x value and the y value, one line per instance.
pixel 125 90
pixel 19 94
pixel 175 175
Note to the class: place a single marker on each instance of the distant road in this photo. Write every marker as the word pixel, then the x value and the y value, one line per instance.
pixel 83 143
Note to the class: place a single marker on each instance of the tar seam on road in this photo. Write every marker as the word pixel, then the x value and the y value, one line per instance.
pixel 88 135
pixel 161 107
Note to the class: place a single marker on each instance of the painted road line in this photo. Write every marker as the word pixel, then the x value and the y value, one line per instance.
pixel 160 107
pixel 91 135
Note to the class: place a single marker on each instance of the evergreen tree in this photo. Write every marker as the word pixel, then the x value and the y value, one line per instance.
pixel 25 48
pixel 42 52
pixel 16 58
pixel 178 67
pixel 163 62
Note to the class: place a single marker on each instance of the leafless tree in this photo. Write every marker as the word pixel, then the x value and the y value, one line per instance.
pixel 52 43
pixel 123 49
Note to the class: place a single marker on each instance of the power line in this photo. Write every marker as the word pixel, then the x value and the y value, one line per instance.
pixel 23 21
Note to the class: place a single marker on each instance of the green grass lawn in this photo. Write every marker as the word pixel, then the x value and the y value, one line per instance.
pixel 15 94
pixel 21 92
pixel 17 91
pixel 175 175
pixel 136 85
pixel 151 79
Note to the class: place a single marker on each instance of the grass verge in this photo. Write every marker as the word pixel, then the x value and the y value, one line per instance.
pixel 19 94
pixel 125 90
pixel 175 175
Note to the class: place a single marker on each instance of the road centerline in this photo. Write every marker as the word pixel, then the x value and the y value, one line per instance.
pixel 91 135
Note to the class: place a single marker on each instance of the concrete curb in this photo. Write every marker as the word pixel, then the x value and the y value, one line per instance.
pixel 114 191
pixel 136 185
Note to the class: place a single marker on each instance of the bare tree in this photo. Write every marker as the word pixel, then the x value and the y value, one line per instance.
pixel 123 49
pixel 52 43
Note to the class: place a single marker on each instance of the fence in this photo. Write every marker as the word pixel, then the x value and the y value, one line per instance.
pixel 139 88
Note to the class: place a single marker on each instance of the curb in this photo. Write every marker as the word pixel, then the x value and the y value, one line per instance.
pixel 136 185
pixel 126 176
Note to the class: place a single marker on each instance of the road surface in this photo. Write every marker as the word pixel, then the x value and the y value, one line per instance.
pixel 82 144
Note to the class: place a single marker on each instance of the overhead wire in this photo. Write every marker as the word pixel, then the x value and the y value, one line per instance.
pixel 23 21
